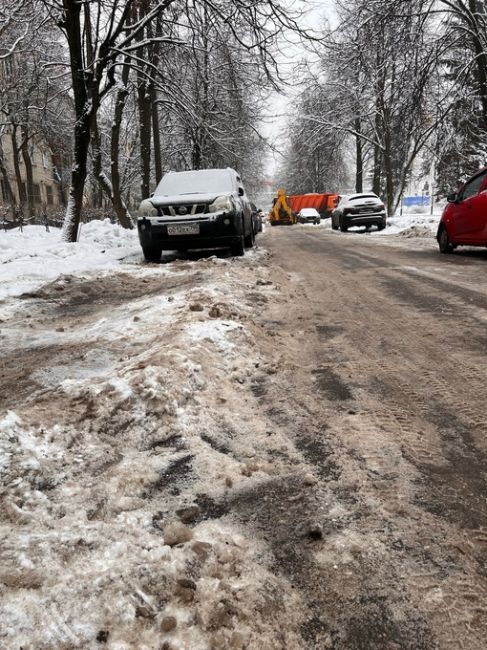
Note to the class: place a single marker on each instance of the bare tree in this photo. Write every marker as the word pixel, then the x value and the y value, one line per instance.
pixel 382 67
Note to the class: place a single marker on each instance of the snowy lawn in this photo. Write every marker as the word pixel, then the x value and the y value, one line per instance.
pixel 33 257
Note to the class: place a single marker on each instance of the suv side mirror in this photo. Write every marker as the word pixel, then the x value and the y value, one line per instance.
pixel 452 198
pixel 241 191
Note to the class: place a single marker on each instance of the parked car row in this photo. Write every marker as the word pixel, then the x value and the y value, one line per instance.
pixel 350 210
pixel 209 208
pixel 199 209
pixel 462 223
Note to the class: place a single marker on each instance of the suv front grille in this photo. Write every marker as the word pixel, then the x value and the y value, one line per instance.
pixel 182 209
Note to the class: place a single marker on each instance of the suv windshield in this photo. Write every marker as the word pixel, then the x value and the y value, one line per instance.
pixel 195 182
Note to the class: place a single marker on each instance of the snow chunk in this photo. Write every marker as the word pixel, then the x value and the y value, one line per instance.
pixel 215 331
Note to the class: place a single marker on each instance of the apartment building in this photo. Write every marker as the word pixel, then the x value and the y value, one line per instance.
pixel 47 188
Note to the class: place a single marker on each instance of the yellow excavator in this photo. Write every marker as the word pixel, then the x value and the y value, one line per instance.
pixel 281 213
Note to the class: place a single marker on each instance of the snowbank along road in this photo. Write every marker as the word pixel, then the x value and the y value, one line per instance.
pixel 281 451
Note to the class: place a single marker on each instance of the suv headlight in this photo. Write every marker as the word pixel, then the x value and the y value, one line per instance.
pixel 221 204
pixel 147 209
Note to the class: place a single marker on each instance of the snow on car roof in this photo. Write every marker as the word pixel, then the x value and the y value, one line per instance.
pixel 197 181
pixel 309 211
pixel 369 195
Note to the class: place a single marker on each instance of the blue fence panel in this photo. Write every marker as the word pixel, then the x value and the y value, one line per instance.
pixel 422 201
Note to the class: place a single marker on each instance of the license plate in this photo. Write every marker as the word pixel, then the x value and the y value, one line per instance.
pixel 184 229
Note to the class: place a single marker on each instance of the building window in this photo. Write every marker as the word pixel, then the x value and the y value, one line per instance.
pixel 36 193
pixel 49 195
pixel 45 160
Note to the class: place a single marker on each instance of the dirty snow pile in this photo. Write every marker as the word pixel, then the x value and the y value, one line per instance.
pixel 123 444
pixel 30 258
pixel 412 225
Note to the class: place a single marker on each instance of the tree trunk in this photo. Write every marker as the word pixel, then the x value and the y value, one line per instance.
pixel 143 103
pixel 388 170
pixel 118 204
pixel 104 184
pixel 7 186
pixel 29 177
pixel 82 123
pixel 145 119
pixel 377 169
pixel 359 169
pixel 196 153
pixel 16 161
pixel 379 125
pixel 376 177
pixel 156 135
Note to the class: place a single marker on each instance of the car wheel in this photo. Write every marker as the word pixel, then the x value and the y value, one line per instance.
pixel 238 246
pixel 343 226
pixel 333 225
pixel 318 221
pixel 250 239
pixel 152 253
pixel 444 241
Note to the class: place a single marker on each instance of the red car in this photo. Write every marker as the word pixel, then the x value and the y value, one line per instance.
pixel 464 220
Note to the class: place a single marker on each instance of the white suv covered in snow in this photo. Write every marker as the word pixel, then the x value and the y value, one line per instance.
pixel 205 208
